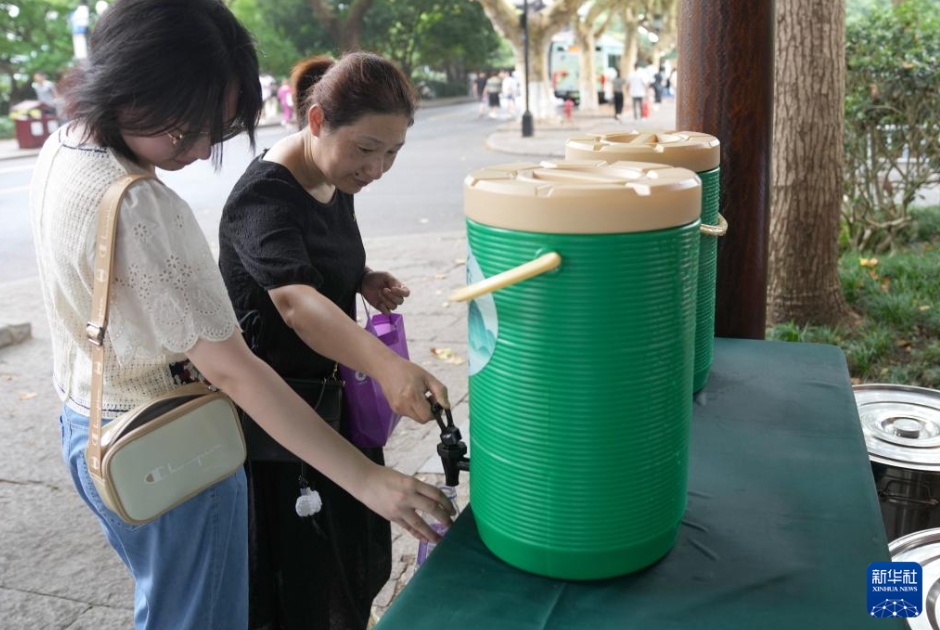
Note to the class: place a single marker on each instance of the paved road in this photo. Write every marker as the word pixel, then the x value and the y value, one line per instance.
pixel 422 194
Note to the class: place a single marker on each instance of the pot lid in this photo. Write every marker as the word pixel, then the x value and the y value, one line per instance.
pixel 901 424
pixel 922 547
pixel 583 197
pixel 693 150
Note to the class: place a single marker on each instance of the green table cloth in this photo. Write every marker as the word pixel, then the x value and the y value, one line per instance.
pixel 782 522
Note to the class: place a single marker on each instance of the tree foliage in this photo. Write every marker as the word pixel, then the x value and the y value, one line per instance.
pixel 343 20
pixel 425 37
pixel 450 37
pixel 284 31
pixel 442 35
pixel 37 40
pixel 860 9
pixel 892 119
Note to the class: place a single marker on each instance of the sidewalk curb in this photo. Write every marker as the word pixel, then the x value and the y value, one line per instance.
pixel 19 153
pixel 512 142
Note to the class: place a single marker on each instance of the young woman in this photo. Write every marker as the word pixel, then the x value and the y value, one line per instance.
pixel 165 83
pixel 291 254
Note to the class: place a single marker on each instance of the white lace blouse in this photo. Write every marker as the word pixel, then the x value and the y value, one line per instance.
pixel 166 290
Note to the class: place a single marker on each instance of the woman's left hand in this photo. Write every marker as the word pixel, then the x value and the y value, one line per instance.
pixel 383 291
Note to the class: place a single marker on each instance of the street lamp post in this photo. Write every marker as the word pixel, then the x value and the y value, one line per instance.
pixel 527 129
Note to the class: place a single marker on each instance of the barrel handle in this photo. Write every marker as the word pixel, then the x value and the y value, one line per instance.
pixel 900 497
pixel 715 230
pixel 540 265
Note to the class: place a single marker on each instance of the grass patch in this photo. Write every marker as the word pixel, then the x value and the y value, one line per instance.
pixel 896 336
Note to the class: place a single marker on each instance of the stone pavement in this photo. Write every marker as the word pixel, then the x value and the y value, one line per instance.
pixel 56 570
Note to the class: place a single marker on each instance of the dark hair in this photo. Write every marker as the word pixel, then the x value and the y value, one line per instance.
pixel 157 65
pixel 359 83
pixel 303 76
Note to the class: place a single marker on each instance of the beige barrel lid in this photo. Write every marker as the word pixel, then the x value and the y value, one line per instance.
pixel 693 150
pixel 583 197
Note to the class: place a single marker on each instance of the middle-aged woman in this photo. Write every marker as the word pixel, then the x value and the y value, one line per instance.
pixel 291 254
pixel 165 83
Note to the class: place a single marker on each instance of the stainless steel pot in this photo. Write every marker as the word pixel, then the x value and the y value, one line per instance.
pixel 924 548
pixel 902 432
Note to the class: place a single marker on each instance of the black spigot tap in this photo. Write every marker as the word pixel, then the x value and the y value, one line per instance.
pixel 452 449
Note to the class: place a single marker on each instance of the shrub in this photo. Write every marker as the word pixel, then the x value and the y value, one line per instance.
pixel 892 119
pixel 895 334
pixel 442 89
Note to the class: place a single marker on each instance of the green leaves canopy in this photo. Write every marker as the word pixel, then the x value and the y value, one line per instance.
pixel 38 39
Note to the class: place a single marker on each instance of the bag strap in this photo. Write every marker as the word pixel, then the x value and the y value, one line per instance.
pixel 108 211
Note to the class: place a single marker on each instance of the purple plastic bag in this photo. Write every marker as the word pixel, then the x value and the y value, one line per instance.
pixel 370 419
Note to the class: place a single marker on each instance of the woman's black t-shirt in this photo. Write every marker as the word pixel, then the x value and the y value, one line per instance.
pixel 274 234
pixel 305 573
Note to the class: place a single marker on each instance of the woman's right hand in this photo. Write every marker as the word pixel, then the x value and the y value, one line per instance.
pixel 256 388
pixel 330 332
pixel 406 385
pixel 399 498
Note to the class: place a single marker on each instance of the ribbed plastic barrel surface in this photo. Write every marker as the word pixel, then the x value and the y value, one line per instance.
pixel 698 152
pixel 708 272
pixel 580 417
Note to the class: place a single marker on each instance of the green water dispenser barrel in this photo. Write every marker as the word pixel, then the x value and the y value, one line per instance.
pixel 696 151
pixel 582 285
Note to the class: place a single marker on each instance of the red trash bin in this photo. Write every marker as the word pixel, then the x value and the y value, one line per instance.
pixel 32 132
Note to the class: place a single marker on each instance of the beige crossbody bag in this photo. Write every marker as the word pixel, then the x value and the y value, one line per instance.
pixel 159 454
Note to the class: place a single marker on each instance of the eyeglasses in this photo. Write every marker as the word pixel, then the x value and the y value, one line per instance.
pixel 186 138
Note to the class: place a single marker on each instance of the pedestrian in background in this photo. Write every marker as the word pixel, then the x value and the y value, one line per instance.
pixel 509 88
pixel 638 89
pixel 479 90
pixel 170 319
pixel 659 85
pixel 46 94
pixel 293 261
pixel 616 84
pixel 268 96
pixel 285 95
pixel 494 86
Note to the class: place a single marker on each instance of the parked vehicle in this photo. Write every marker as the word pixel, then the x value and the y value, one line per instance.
pixel 564 65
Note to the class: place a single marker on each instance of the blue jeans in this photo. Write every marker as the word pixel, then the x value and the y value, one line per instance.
pixel 190 566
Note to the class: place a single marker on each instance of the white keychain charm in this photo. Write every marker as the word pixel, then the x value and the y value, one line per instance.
pixel 308 503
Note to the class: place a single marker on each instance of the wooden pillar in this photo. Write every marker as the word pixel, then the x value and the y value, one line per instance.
pixel 725 88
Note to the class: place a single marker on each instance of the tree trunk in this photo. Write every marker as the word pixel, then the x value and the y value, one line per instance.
pixel 809 77
pixel 587 32
pixel 542 96
pixel 587 81
pixel 631 45
pixel 345 33
pixel 542 25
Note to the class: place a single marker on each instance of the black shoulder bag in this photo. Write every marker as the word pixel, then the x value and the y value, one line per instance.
pixel 325 395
